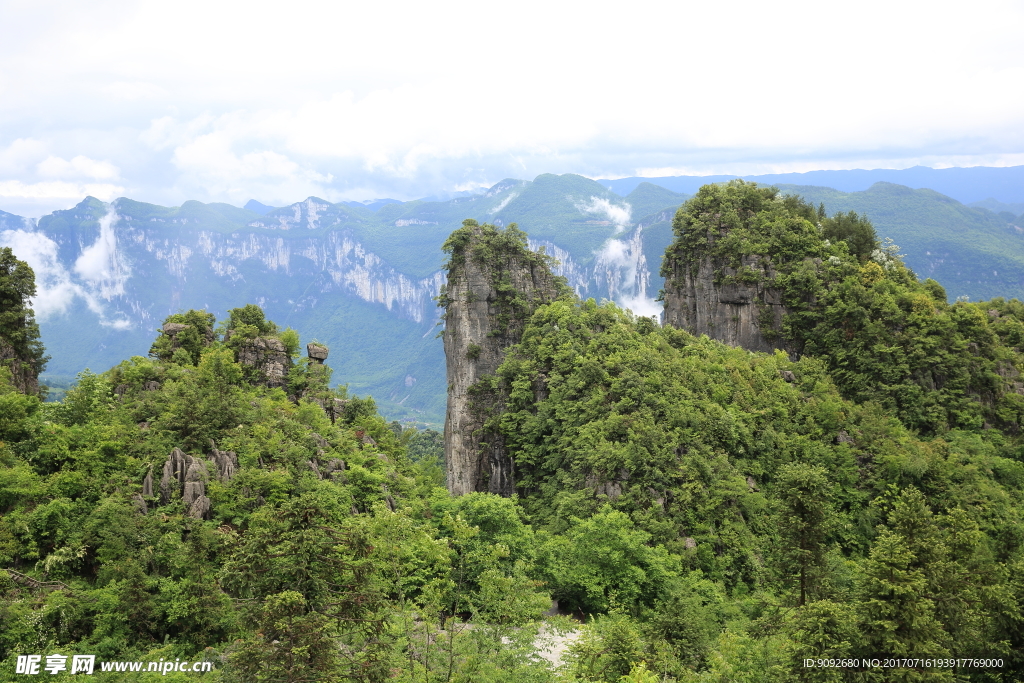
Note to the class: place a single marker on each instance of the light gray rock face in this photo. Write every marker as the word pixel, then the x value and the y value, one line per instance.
pixel 479 326
pixel 317 352
pixel 703 297
pixel 268 356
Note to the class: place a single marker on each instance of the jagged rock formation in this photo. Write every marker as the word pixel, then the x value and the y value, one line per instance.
pixel 268 357
pixel 226 462
pixel 188 474
pixel 494 283
pixel 24 373
pixel 704 296
pixel 172 330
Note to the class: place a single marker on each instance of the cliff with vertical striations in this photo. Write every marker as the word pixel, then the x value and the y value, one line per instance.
pixel 715 281
pixel 494 283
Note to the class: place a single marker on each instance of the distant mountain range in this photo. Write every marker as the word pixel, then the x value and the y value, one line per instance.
pixel 1005 185
pixel 360 277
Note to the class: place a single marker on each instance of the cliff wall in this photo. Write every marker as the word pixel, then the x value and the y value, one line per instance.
pixel 494 283
pixel 720 272
pixel 703 296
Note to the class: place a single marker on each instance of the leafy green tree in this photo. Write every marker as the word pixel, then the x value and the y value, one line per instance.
pixel 608 650
pixel 604 562
pixel 291 644
pixel 897 613
pixel 250 321
pixel 21 349
pixel 204 403
pixel 822 629
pixel 805 519
pixel 309 571
pixel 188 343
pixel 856 231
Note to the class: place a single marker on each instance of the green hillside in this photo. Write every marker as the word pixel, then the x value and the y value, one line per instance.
pixel 647 199
pixel 970 251
pixel 700 513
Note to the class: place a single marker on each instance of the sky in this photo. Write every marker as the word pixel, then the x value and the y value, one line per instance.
pixel 230 101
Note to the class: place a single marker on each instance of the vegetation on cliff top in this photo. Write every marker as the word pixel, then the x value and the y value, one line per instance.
pixel 710 514
pixel 853 303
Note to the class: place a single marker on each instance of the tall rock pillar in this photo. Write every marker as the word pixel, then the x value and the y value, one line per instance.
pixel 713 284
pixel 494 283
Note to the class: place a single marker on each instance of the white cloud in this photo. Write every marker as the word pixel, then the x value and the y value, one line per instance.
pixel 100 264
pixel 618 215
pixel 645 307
pixel 54 289
pixel 78 167
pixel 99 273
pixel 58 190
pixel 218 110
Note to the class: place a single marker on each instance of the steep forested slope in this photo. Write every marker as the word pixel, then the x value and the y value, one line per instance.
pixel 705 513
pixel 349 275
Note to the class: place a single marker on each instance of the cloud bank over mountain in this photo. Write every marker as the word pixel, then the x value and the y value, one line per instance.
pixel 400 99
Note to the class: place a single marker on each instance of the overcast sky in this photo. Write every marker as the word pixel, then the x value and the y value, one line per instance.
pixel 227 101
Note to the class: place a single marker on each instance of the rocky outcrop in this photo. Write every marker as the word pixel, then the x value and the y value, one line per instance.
pixel 494 284
pixel 187 475
pixel 268 359
pixel 732 305
pixel 316 352
pixel 24 373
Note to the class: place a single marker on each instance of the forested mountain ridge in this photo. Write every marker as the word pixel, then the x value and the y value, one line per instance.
pixel 348 275
pixel 749 466
pixel 707 513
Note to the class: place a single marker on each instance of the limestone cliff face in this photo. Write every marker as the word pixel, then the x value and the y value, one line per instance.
pixel 730 304
pixel 268 357
pixel 494 283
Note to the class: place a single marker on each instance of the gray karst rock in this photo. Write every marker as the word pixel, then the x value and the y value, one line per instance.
pixel 182 473
pixel 147 483
pixel 268 357
pixel 193 490
pixel 24 375
pixel 172 329
pixel 139 504
pixel 225 461
pixel 481 322
pixel 316 352
pixel 200 508
pixel 706 297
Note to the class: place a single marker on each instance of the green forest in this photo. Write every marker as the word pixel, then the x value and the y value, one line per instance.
pixel 686 511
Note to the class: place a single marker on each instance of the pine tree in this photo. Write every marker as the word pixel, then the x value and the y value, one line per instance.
pixel 805 520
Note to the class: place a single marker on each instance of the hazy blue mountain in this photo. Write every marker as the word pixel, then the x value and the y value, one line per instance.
pixel 257 207
pixel 8 221
pixel 372 204
pixel 963 184
pixel 998 207
pixel 361 278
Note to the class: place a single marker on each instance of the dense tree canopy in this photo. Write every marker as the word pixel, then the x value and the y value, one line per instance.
pixel 698 512
pixel 21 350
